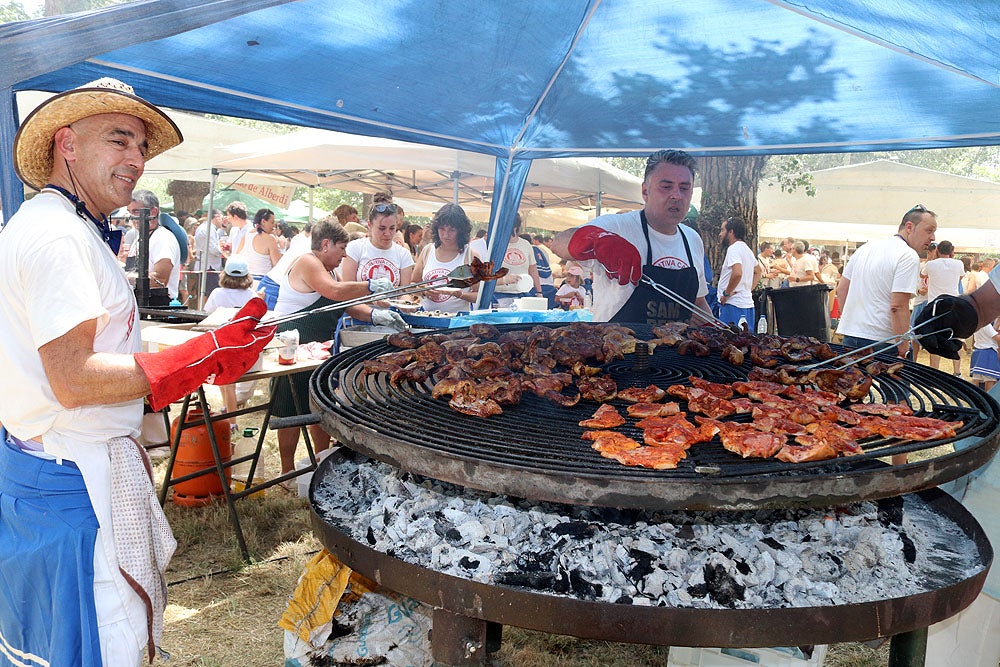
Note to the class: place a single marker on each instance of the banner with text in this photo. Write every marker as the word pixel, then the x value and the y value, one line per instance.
pixel 279 196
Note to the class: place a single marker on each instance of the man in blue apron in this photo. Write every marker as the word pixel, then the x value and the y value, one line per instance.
pixel 621 248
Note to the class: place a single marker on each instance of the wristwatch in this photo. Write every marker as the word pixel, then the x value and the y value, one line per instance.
pixel 726 294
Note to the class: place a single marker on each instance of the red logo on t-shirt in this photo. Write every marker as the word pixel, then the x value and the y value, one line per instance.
pixel 432 275
pixel 380 267
pixel 514 257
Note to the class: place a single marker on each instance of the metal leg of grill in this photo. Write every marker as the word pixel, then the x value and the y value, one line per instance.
pixel 458 641
pixel 908 649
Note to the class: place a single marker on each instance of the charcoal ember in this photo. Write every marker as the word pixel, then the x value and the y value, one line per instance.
pixel 909 549
pixel 468 563
pixel 535 562
pixel 573 529
pixel 721 586
pixel 561 584
pixel 370 536
pixel 625 599
pixel 584 588
pixel 539 581
pixel 890 511
pixel 773 543
pixel 454 535
pixel 643 565
pixel 742 566
pixel 698 590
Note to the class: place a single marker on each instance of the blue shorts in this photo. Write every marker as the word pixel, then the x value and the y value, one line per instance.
pixel 731 315
pixel 271 289
pixel 48 530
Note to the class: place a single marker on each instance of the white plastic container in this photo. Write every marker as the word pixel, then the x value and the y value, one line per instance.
pixel 683 656
pixel 303 480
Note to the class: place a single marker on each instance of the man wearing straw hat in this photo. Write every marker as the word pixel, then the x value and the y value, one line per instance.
pixel 83 541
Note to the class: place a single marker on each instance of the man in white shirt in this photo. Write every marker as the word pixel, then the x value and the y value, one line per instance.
pixel 740 272
pixel 164 251
pixel 943 277
pixel 879 280
pixel 207 245
pixel 805 267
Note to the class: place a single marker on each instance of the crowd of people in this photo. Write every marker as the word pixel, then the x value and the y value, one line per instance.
pixel 77 381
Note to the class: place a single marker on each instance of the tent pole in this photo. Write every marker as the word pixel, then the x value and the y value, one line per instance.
pixel 599 191
pixel 454 177
pixel 311 188
pixel 203 278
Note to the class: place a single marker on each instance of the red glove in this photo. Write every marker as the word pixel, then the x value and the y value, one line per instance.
pixel 620 258
pixel 219 357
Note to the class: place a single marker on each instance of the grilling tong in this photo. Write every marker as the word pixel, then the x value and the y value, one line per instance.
pixel 460 278
pixel 716 322
pixel 909 334
pixel 684 303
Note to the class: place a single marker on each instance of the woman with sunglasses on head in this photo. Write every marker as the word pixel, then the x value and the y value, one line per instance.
pixel 259 247
pixel 376 255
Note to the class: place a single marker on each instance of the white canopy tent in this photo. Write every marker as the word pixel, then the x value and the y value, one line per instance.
pixel 866 202
pixel 417 171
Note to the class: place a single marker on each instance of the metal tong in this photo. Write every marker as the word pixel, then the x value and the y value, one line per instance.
pixel 891 340
pixel 695 310
pixel 460 278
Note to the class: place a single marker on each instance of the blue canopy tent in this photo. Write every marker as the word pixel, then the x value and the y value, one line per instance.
pixel 520 79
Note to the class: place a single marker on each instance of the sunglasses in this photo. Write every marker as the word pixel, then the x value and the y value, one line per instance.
pixel 918 208
pixel 384 208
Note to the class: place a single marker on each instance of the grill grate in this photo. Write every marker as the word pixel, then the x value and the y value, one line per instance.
pixel 534 449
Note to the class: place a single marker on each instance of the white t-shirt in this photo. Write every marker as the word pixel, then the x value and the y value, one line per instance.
pixel 566 291
pixel 876 270
pixel 667 252
pixel 943 276
pixel 478 246
pixel 799 267
pixel 519 257
pixel 738 253
pixel 377 263
pixel 984 339
pixel 163 245
pixel 226 297
pixel 52 283
pixel 207 229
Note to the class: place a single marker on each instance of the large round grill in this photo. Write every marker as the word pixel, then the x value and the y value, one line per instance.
pixel 534 449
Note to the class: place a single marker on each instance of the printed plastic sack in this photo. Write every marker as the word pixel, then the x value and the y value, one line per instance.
pixel 378 629
pixel 336 616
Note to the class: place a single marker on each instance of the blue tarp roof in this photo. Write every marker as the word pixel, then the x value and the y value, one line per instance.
pixel 521 79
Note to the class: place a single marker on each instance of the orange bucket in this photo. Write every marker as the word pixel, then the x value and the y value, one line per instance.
pixel 194 452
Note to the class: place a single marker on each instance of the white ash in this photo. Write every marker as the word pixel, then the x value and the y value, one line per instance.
pixel 770 558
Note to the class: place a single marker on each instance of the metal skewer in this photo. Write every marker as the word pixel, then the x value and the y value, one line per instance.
pixel 895 339
pixel 460 277
pixel 695 310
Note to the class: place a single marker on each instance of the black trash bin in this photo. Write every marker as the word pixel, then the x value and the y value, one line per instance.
pixel 801 311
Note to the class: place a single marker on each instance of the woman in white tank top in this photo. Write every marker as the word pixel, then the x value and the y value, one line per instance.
pixel 450 230
pixel 259 247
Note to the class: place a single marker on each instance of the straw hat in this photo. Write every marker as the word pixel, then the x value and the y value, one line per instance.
pixel 33 143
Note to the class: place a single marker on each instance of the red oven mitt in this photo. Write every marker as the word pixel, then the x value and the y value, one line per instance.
pixel 620 258
pixel 219 357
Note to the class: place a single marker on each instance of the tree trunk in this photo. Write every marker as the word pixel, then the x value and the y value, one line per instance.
pixel 728 189
pixel 188 195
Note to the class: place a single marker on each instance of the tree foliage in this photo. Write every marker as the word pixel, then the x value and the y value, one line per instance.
pixel 12 11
